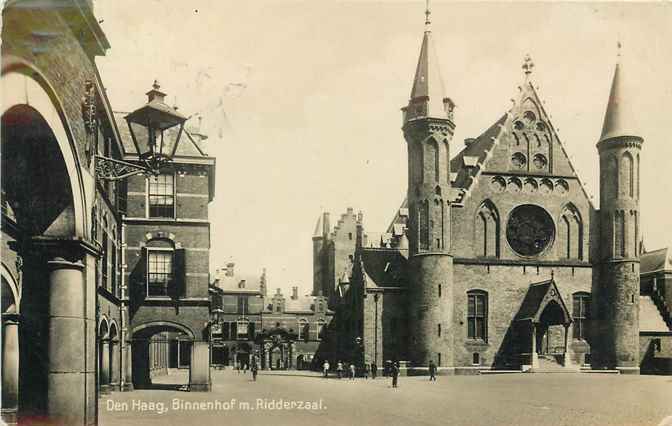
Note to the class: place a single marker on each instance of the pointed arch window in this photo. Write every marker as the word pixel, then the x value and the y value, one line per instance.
pixel 487 230
pixel 303 329
pixel 615 173
pixel 570 238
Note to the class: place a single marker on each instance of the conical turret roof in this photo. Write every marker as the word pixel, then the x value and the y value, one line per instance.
pixel 427 94
pixel 619 119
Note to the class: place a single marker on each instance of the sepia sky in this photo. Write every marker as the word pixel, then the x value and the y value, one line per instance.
pixel 302 100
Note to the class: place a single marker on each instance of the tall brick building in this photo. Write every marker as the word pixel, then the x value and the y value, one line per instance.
pixel 498 258
pixel 104 283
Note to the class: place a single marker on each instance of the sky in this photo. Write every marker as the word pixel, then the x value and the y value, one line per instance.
pixel 301 100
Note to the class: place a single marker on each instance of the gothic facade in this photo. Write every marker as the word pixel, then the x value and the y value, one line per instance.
pixel 497 257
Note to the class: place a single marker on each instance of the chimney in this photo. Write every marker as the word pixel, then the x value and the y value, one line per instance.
pixel 229 269
pixel 295 293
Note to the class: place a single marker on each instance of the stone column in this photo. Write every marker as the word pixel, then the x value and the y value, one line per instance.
pixel 10 367
pixel 72 344
pixel 115 366
pixel 104 373
pixel 567 359
pixel 199 370
pixel 267 357
pixel 127 382
pixel 535 356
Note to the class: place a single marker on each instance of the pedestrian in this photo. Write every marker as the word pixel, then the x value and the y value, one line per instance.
pixel 366 370
pixel 395 374
pixel 432 371
pixel 374 370
pixel 254 369
pixel 325 368
pixel 238 367
pixel 339 369
pixel 352 371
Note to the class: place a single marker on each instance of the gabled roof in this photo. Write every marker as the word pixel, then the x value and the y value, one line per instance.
pixel 656 260
pixel 538 296
pixel 467 170
pixel 384 267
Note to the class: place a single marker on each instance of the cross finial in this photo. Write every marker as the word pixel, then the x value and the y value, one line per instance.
pixel 156 85
pixel 528 65
pixel 427 13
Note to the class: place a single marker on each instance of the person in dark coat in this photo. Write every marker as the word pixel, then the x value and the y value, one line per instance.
pixel 395 374
pixel 374 370
pixel 432 371
pixel 254 368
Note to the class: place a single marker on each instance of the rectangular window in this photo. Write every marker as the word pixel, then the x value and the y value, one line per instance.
pixel 161 194
pixel 320 328
pixel 580 315
pixel 477 316
pixel 438 330
pixel 439 290
pixel 159 273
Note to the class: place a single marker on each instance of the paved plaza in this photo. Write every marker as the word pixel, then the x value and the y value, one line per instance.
pixel 308 399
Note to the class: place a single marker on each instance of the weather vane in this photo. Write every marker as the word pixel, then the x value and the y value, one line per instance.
pixel 427 13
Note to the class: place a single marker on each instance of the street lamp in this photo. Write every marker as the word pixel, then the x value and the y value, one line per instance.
pixel 156 130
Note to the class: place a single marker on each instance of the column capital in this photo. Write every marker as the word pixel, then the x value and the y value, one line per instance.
pixel 70 250
pixel 61 263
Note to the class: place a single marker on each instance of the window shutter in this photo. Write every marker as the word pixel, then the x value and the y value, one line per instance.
pixel 179 273
pixel 139 277
pixel 250 330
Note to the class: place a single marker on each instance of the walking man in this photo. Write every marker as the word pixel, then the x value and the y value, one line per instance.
pixel 395 374
pixel 339 369
pixel 366 370
pixel 254 369
pixel 325 368
pixel 432 371
pixel 352 371
pixel 374 370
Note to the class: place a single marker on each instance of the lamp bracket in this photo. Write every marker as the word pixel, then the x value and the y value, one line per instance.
pixel 112 169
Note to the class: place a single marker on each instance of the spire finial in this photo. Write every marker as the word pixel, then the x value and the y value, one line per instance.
pixel 427 13
pixel 156 85
pixel 528 64
pixel 619 46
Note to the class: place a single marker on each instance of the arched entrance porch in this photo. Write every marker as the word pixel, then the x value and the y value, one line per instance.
pixel 278 351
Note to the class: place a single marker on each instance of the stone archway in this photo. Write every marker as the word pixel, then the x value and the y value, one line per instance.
pixel 43 186
pixel 114 356
pixel 198 354
pixel 103 357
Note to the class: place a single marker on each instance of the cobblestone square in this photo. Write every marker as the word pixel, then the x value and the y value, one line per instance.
pixel 305 398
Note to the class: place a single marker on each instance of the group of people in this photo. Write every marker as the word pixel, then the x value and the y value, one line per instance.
pixel 253 367
pixel 373 370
